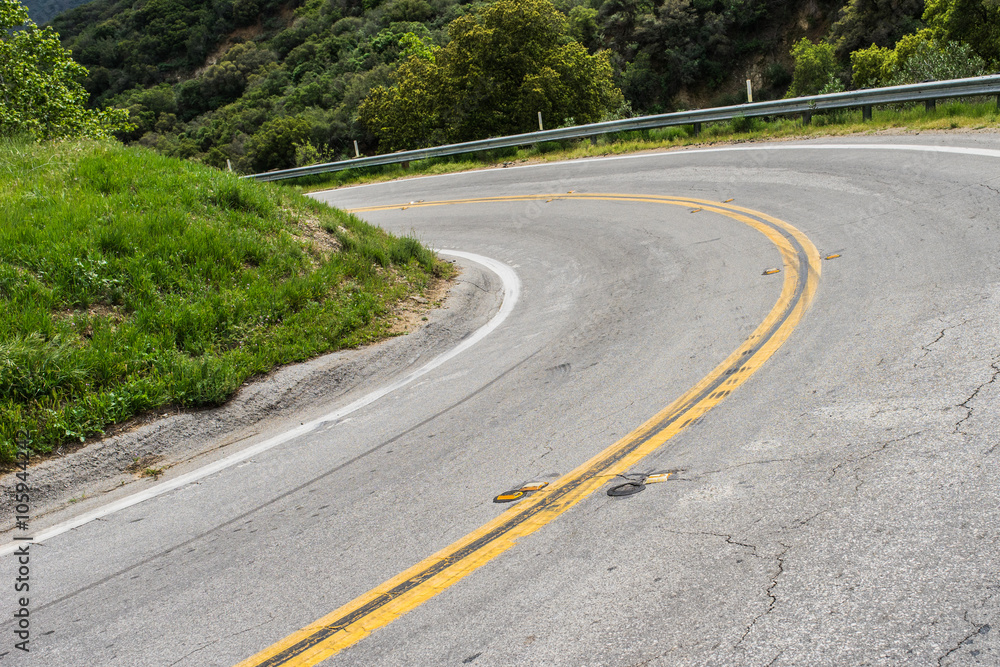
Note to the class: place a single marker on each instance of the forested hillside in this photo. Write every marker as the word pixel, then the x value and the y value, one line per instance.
pixel 265 84
pixel 43 11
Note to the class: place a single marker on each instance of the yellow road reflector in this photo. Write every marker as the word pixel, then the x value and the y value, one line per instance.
pixel 404 208
pixel 533 486
pixel 728 200
pixel 547 201
pixel 770 272
pixel 509 496
pixel 569 192
pixel 657 477
pixel 833 256
pixel 695 210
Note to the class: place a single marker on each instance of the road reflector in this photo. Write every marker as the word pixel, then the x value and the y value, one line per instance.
pixel 833 256
pixel 770 272
pixel 533 486
pixel 695 210
pixel 569 192
pixel 657 477
pixel 404 208
pixel 728 200
pixel 509 497
pixel 626 489
pixel 547 201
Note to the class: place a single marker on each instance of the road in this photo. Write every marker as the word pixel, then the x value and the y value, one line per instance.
pixel 839 506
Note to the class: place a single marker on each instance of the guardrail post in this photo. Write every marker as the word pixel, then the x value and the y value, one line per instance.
pixel 593 140
pixel 406 164
pixel 866 112
pixel 697 129
pixel 807 117
pixel 929 105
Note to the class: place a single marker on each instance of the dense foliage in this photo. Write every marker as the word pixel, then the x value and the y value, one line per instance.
pixel 261 85
pixel 815 69
pixel 973 22
pixel 43 11
pixel 501 67
pixel 917 57
pixel 40 94
pixel 879 22
pixel 281 86
pixel 127 43
pixel 129 281
pixel 894 42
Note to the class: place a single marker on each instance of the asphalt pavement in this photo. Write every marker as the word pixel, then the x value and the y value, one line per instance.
pixel 837 508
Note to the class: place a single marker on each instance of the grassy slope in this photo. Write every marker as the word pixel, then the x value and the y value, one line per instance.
pixel 130 281
pixel 947 116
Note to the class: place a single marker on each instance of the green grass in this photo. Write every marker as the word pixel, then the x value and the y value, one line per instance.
pixel 130 281
pixel 947 116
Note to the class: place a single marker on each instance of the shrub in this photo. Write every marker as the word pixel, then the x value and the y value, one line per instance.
pixel 815 68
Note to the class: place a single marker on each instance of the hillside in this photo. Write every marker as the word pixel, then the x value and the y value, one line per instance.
pixel 43 11
pixel 130 281
pixel 260 84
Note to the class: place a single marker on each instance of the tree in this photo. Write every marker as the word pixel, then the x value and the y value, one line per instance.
pixel 502 66
pixel 406 115
pixel 872 67
pixel 40 93
pixel 583 26
pixel 815 69
pixel 917 57
pixel 878 22
pixel 277 142
pixel 975 22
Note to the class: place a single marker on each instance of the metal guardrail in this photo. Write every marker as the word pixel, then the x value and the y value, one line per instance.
pixel 928 92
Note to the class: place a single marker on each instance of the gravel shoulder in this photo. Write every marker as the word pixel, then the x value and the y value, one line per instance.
pixel 150 449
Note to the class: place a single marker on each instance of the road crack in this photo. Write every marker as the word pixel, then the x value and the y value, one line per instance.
pixel 882 446
pixel 991 188
pixel 476 285
pixel 729 538
pixel 750 463
pixel 980 629
pixel 927 347
pixel 216 641
pixel 995 365
pixel 772 598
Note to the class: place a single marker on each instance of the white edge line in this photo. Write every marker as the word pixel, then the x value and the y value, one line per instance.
pixel 984 152
pixel 511 294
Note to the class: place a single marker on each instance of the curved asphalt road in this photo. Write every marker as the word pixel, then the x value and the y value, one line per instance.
pixel 838 508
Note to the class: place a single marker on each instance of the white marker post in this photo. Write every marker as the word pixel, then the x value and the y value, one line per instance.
pixel 540 128
pixel 357 153
pixel 749 91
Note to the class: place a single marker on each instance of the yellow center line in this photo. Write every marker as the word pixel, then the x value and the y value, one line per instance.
pixel 387 602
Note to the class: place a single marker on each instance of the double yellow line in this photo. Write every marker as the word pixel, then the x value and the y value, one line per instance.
pixel 387 602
